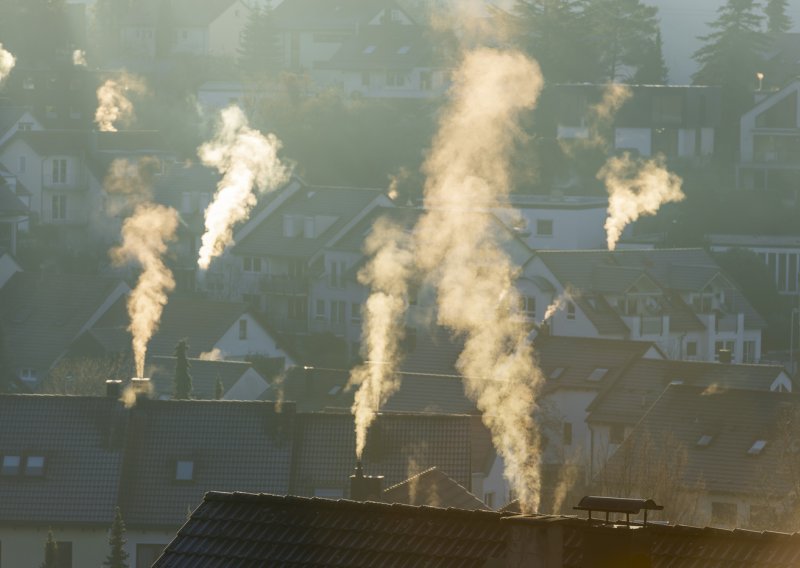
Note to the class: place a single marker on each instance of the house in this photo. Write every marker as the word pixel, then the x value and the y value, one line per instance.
pixel 730 451
pixel 8 266
pixel 216 330
pixel 261 529
pixel 677 298
pixel 16 118
pixel 615 412
pixel 13 215
pixel 780 253
pixel 676 121
pixel 44 313
pixel 237 380
pixel 154 28
pixel 768 146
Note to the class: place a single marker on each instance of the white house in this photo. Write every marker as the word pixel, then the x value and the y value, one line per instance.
pixel 780 253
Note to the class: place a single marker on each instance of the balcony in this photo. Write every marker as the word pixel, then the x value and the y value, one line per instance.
pixel 284 285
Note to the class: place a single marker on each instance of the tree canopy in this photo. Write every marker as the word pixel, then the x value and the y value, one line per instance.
pixel 117 556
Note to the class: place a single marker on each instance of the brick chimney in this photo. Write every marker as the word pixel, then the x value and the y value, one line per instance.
pixel 365 487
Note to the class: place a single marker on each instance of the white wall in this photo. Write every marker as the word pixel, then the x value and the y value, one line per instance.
pixel 224 33
pixel 638 139
pixel 258 341
pixel 250 386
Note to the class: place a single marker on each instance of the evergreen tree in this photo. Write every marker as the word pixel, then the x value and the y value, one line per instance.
pixel 117 556
pixel 622 31
pixel 219 389
pixel 183 380
pixel 777 19
pixel 50 551
pixel 653 70
pixel 259 52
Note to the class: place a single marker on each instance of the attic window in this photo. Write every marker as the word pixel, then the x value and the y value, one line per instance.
pixel 403 50
pixel 757 447
pixel 369 49
pixel 184 470
pixel 704 440
pixel 11 465
pixel 335 390
pixel 597 375
pixel 556 373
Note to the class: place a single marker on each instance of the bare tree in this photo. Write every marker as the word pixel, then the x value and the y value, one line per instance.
pixel 86 375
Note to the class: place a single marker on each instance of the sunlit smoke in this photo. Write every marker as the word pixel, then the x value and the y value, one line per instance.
pixel 635 188
pixel 113 104
pixel 128 184
pixel 214 355
pixel 558 304
pixel 474 278
pixel 7 62
pixel 246 159
pixel 135 389
pixel 387 274
pixel 614 96
pixel 566 481
pixel 144 240
pixel 79 58
pixel 599 120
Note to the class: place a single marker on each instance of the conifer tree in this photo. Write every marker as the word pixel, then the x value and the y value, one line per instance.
pixel 259 50
pixel 183 380
pixel 117 556
pixel 653 70
pixel 50 551
pixel 778 20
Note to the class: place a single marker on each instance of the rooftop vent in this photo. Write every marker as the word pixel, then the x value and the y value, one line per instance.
pixel 618 505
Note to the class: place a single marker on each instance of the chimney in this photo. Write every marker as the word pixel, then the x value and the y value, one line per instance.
pixel 142 388
pixel 113 388
pixel 365 487
pixel 725 356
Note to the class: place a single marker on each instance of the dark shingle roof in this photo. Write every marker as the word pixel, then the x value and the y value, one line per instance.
pixel 336 204
pixel 205 374
pixel 244 445
pixel 268 530
pixel 434 488
pixel 325 448
pixel 378 48
pixel 43 313
pixel 80 439
pixel 639 387
pixel 187 13
pixel 50 142
pixel 344 15
pixel 10 204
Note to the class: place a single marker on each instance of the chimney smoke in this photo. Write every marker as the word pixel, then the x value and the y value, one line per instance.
pixel 365 487
pixel 7 62
pixel 113 104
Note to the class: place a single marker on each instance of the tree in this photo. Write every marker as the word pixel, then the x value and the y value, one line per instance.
pixel 50 551
pixel 183 380
pixel 623 31
pixel 259 52
pixel 653 70
pixel 777 20
pixel 117 556
pixel 85 375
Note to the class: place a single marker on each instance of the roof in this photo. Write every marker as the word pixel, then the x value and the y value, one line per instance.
pixel 10 204
pixel 81 441
pixel 353 239
pixel 338 15
pixel 378 48
pixel 272 530
pixel 312 389
pixel 733 420
pixel 325 448
pixel 205 375
pixel 52 142
pixel 43 313
pixel 332 208
pixel 9 116
pixel 185 13
pixel 232 444
pixel 434 488
pixel 627 400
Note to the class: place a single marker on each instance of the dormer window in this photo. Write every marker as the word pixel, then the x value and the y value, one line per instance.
pixel 369 50
pixel 597 375
pixel 404 49
pixel 556 373
pixel 757 447
pixel 570 311
pixel 11 465
pixel 184 470
pixel 34 466
pixel 704 440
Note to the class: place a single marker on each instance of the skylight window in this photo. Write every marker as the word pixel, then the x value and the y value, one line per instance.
pixel 556 373
pixel 184 470
pixel 34 466
pixel 403 50
pixel 757 447
pixel 704 440
pixel 11 465
pixel 597 375
pixel 369 50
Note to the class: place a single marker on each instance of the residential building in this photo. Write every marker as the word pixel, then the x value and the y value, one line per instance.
pixel 8 267
pixel 13 215
pixel 236 380
pixel 44 313
pixel 780 253
pixel 678 298
pixel 769 147
pixel 16 118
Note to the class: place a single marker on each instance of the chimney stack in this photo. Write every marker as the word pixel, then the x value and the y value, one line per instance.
pixel 113 388
pixel 141 388
pixel 365 487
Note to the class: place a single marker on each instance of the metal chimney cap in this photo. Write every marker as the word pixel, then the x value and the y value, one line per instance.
pixel 616 505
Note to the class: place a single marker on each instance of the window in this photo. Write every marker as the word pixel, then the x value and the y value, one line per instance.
pixel 11 465
pixel 556 373
pixel 25 126
pixel 298 308
pixel 64 554
pixel 529 306
pixel 59 170
pixel 757 447
pixel 425 80
pixel 726 345
pixel 319 313
pixel 488 499
pixel 544 227
pixel 184 470
pixel 704 440
pixel 403 50
pixel 394 79
pixel 370 49
pixel 34 466
pixel 724 514
pixel 691 349
pixel 22 165
pixel 252 263
pixel 597 375
pixel 242 329
pixel 570 311
pixel 749 352
pixel 336 277
pixel 59 210
pixel 616 434
pixel 567 434
pixel 355 311
pixel 337 311
pixel 147 554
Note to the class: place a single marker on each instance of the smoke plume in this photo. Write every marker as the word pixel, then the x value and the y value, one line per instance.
pixel 245 158
pixel 635 188
pixel 128 184
pixel 113 104
pixel 7 62
pixel 558 304
pixel 614 96
pixel 474 278
pixel 79 58
pixel 387 274
pixel 144 240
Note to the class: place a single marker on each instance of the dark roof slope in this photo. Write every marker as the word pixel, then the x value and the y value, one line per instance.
pixel 434 488
pixel 81 440
pixel 50 142
pixel 638 388
pixel 378 48
pixel 268 530
pixel 205 374
pixel 325 448
pixel 187 13
pixel 343 15
pixel 245 445
pixel 10 204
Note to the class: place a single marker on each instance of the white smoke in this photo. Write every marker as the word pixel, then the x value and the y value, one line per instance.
pixel 387 274
pixel 7 62
pixel 635 188
pixel 558 304
pixel 113 104
pixel 214 355
pixel 247 159
pixel 79 58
